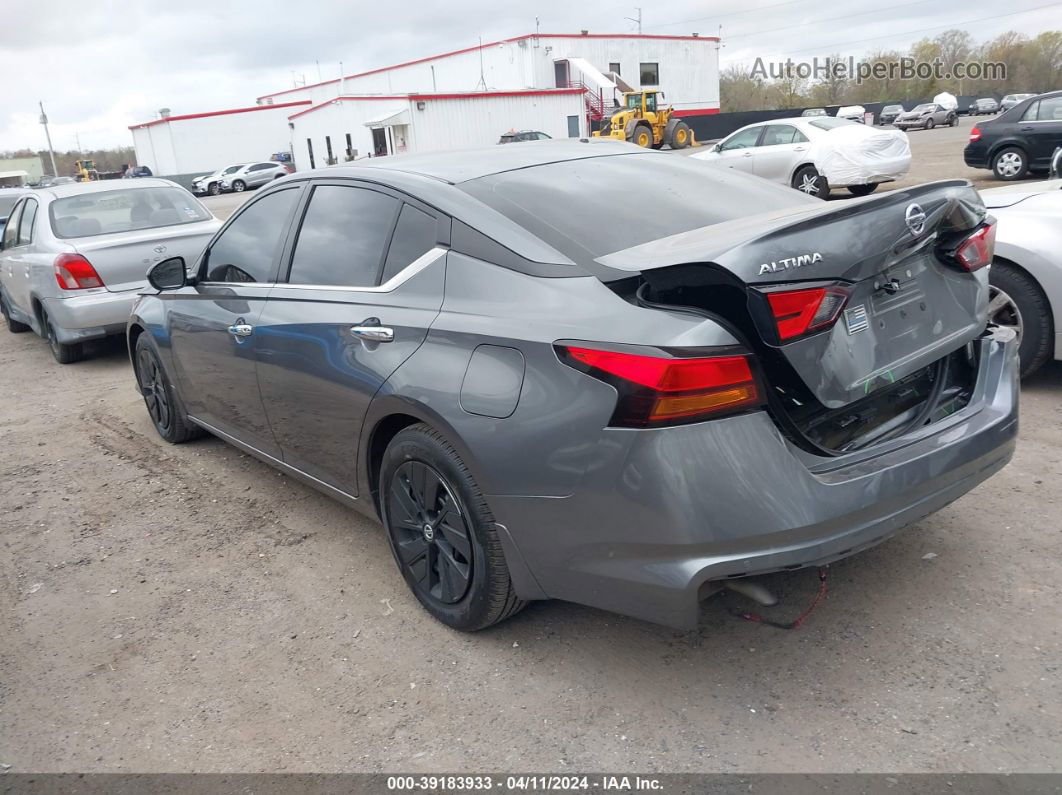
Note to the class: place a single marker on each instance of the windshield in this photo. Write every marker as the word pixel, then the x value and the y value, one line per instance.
pixel 231 169
pixel 922 108
pixel 106 212
pixel 6 203
pixel 892 108
pixel 831 123
pixel 634 100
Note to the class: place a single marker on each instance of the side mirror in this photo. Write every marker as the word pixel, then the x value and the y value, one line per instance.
pixel 169 274
pixel 717 148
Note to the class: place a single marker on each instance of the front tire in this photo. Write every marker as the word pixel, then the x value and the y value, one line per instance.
pixel 239 186
pixel 1010 164
pixel 642 135
pixel 163 403
pixel 64 353
pixel 1015 300
pixel 442 532
pixel 808 180
pixel 930 124
pixel 863 190
pixel 214 189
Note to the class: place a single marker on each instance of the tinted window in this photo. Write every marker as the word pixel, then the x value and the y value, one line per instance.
pixel 246 249
pixel 6 203
pixel 414 235
pixel 343 236
pixel 583 209
pixel 742 140
pixel 11 229
pixel 104 212
pixel 650 74
pixel 260 167
pixel 25 224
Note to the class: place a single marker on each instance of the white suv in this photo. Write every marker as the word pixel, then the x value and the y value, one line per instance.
pixel 253 175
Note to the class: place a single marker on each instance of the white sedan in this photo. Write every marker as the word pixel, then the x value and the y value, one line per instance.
pixel 815 154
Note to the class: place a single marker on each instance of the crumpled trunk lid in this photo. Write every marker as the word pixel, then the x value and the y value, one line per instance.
pixel 907 306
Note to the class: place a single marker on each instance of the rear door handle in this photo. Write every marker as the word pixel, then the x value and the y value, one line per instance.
pixel 799 148
pixel 1028 129
pixel 241 330
pixel 373 333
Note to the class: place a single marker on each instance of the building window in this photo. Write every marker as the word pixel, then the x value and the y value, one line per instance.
pixel 614 67
pixel 650 74
pixel 328 149
pixel 350 148
pixel 309 149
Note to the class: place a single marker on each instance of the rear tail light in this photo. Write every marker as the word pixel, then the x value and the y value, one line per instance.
pixel 800 312
pixel 659 390
pixel 74 272
pixel 977 250
pixel 975 133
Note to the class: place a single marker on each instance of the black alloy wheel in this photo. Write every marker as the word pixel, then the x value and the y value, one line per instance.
pixel 431 533
pixel 153 388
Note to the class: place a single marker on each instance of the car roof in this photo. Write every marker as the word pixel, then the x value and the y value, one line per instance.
pixel 100 186
pixel 462 165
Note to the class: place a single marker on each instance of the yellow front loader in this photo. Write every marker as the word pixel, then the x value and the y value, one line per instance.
pixel 642 121
pixel 86 170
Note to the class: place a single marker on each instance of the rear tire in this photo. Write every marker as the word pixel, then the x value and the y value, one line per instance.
pixel 808 180
pixel 863 190
pixel 953 121
pixel 239 186
pixel 1016 300
pixel 64 353
pixel 642 135
pixel 163 403
pixel 1010 164
pixel 442 532
pixel 14 326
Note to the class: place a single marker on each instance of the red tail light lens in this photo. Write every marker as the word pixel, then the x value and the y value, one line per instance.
pixel 977 250
pixel 662 390
pixel 74 272
pixel 800 312
pixel 975 134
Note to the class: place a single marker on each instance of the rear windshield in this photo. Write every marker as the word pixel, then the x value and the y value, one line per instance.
pixel 831 122
pixel 6 203
pixel 112 211
pixel 588 208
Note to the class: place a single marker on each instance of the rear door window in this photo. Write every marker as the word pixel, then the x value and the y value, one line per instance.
pixel 247 248
pixel 25 224
pixel 415 235
pixel 343 237
pixel 1050 109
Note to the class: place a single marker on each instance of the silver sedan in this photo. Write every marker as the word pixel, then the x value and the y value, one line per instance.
pixel 74 257
pixel 1026 275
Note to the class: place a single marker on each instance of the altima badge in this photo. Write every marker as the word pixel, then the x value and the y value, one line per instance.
pixel 855 318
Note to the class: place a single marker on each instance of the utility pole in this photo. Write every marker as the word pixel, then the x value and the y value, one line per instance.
pixel 48 135
pixel 77 140
pixel 637 19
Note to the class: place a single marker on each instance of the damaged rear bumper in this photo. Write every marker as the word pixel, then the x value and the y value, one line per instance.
pixel 669 511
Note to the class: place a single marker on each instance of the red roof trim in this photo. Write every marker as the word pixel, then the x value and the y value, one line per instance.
pixel 217 113
pixel 428 97
pixel 494 44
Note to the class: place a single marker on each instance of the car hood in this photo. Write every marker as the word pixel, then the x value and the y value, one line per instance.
pixel 910 114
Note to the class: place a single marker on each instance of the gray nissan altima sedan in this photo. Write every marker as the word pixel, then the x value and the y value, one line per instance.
pixel 591 372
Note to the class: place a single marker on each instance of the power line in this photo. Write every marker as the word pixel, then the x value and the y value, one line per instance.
pixel 822 47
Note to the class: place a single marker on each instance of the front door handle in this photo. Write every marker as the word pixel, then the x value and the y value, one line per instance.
pixel 241 330
pixel 373 333
pixel 747 154
pixel 799 148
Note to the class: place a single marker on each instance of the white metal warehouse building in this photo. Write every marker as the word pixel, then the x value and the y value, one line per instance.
pixel 553 83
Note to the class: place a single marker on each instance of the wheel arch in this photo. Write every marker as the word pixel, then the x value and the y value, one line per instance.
pixel 796 170
pixel 1053 301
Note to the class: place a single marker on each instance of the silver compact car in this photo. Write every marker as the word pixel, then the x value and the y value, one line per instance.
pixel 548 385
pixel 252 175
pixel 926 116
pixel 75 256
pixel 1026 274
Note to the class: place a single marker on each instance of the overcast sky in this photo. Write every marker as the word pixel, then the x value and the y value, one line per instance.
pixel 101 65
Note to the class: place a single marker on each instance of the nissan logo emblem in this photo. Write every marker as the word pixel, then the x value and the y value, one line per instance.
pixel 916 219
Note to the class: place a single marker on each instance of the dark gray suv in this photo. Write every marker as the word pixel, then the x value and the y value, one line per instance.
pixel 590 372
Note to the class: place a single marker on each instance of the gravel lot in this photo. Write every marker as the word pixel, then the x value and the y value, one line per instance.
pixel 189 609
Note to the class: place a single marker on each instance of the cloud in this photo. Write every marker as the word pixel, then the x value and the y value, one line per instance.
pixel 101 65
